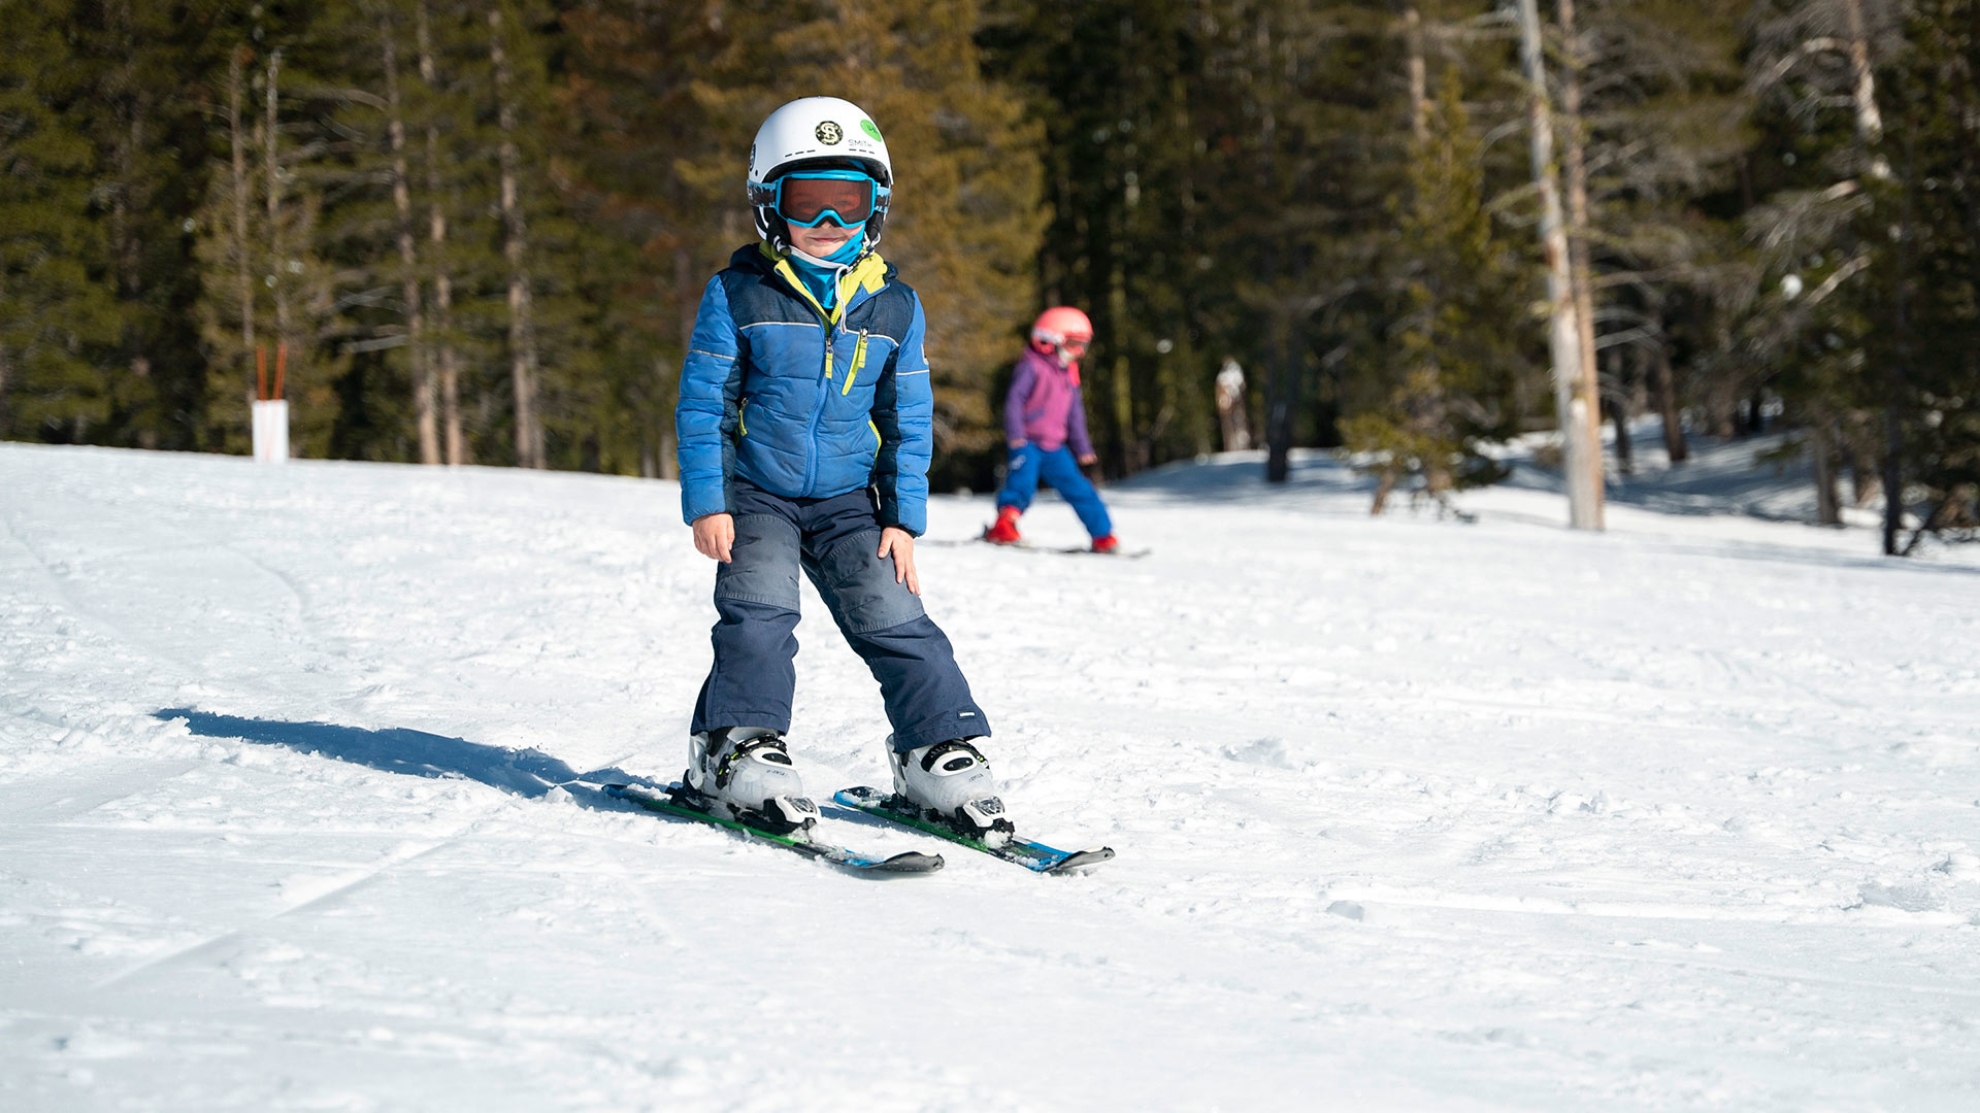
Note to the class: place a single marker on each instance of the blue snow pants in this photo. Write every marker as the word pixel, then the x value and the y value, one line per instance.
pixel 834 540
pixel 1059 468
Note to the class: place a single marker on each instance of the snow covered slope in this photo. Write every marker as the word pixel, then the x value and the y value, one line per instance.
pixel 1411 814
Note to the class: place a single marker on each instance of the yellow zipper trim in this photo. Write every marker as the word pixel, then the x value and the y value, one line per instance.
pixel 877 440
pixel 859 361
pixel 742 413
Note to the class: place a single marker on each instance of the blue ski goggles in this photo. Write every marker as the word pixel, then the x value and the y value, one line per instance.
pixel 846 197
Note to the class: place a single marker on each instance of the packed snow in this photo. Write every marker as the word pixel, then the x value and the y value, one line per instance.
pixel 298 807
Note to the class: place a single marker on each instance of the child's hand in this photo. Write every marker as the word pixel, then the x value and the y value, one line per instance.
pixel 715 535
pixel 1088 460
pixel 900 542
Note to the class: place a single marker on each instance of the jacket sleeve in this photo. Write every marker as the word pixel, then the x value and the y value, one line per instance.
pixel 1082 445
pixel 705 419
pixel 1021 383
pixel 904 415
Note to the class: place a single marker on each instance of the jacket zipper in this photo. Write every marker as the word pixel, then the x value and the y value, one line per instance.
pixel 818 409
pixel 742 417
pixel 859 361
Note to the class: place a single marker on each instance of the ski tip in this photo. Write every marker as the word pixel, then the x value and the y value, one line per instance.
pixel 912 861
pixel 1082 859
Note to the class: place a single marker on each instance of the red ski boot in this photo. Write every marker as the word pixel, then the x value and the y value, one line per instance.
pixel 1107 544
pixel 1005 532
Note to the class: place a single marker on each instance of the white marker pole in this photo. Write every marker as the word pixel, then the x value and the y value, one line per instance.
pixel 271 432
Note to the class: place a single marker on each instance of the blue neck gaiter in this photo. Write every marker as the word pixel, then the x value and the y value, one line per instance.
pixel 823 280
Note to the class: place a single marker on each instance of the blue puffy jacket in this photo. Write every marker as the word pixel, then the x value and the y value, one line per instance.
pixel 803 402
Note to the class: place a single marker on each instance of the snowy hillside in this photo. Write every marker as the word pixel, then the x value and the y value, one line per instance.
pixel 1411 814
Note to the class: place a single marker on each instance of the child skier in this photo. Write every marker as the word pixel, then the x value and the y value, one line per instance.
pixel 805 427
pixel 1045 424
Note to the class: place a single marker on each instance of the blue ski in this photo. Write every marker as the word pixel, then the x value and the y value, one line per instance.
pixel 655 800
pixel 1034 856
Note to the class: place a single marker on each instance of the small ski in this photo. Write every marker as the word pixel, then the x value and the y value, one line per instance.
pixel 1028 547
pixel 1034 856
pixel 655 800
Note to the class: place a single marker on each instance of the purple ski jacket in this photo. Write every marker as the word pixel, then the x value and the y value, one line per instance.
pixel 1044 406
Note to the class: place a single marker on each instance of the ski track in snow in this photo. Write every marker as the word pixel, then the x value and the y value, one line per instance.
pixel 1411 814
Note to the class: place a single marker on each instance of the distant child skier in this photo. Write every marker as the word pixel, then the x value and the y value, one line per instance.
pixel 805 427
pixel 1045 425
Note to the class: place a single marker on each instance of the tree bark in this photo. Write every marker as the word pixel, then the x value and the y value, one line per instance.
pixel 1419 80
pixel 1580 267
pixel 1282 403
pixel 1822 450
pixel 1622 404
pixel 272 156
pixel 444 353
pixel 522 332
pixel 1893 462
pixel 1863 83
pixel 1664 383
pixel 670 464
pixel 236 76
pixel 425 417
pixel 1581 458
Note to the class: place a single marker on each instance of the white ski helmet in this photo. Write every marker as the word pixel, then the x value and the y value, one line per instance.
pixel 816 132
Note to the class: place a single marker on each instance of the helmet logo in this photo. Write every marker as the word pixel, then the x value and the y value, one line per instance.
pixel 830 133
pixel 870 128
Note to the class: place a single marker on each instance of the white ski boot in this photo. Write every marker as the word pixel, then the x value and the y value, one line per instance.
pixel 745 774
pixel 951 782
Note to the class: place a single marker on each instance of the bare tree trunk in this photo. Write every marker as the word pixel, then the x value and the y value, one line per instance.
pixel 1419 80
pixel 670 464
pixel 1663 382
pixel 1863 88
pixel 1580 266
pixel 1893 462
pixel 1864 484
pixel 1281 404
pixel 1822 450
pixel 272 156
pixel 424 401
pixel 522 333
pixel 1581 457
pixel 443 284
pixel 236 76
pixel 1622 404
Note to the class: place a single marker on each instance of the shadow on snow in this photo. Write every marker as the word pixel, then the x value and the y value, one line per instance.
pixel 526 773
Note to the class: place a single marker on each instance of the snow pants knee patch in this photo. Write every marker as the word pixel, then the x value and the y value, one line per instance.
pixel 764 563
pixel 859 587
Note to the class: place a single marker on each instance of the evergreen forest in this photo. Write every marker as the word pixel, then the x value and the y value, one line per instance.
pixel 476 231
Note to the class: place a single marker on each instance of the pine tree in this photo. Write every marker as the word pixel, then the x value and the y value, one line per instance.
pixel 299 329
pixel 148 70
pixel 1931 277
pixel 52 310
pixel 1453 361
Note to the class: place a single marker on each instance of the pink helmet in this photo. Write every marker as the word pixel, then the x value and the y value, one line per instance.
pixel 1059 324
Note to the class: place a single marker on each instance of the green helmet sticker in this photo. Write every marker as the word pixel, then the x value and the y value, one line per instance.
pixel 871 128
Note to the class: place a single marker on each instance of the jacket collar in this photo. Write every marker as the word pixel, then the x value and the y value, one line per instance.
pixel 863 279
pixel 1046 363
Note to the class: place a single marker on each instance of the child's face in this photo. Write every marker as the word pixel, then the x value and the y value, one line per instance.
pixel 821 241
